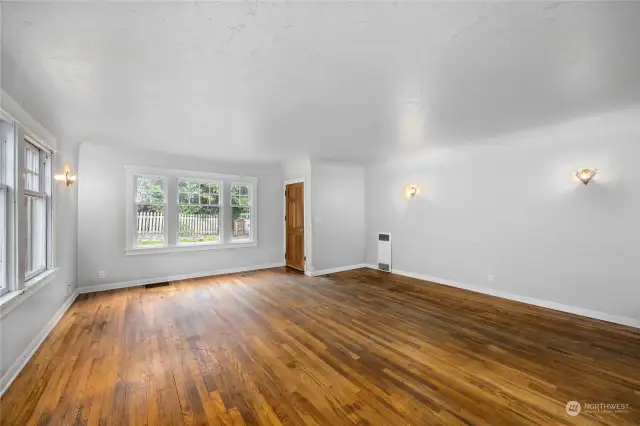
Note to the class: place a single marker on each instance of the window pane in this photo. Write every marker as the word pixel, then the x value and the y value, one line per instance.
pixel 241 225
pixel 193 187
pixel 149 190
pixel 32 181
pixel 150 224
pixel 208 198
pixel 235 189
pixel 195 193
pixel 199 224
pixel 32 167
pixel 240 195
pixel 35 211
pixel 210 193
pixel 3 239
pixel 32 158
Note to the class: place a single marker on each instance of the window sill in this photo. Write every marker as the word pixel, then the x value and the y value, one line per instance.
pixel 13 299
pixel 189 247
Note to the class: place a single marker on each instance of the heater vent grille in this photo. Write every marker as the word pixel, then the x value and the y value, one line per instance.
pixel 384 252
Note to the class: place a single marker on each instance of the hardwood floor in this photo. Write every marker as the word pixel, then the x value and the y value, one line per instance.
pixel 358 347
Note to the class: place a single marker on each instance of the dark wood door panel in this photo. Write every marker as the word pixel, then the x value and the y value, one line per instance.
pixel 294 225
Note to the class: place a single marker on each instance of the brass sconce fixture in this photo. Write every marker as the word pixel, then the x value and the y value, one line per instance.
pixel 412 190
pixel 67 178
pixel 585 175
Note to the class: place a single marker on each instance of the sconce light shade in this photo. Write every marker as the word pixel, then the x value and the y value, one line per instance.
pixel 585 175
pixel 412 190
pixel 67 178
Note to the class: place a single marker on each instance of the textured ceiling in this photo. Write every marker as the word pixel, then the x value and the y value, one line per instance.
pixel 257 80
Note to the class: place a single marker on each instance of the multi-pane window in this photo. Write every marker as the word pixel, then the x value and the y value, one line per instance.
pixel 25 207
pixel 199 214
pixel 183 210
pixel 150 210
pixel 240 211
pixel 37 208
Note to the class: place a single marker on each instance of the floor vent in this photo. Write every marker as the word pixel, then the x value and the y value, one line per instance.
pixel 384 252
pixel 157 285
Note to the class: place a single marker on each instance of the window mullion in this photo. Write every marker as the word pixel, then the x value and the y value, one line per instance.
pixel 20 219
pixel 171 211
pixel 226 228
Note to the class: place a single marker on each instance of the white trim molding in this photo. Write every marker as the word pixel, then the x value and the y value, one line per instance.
pixel 145 281
pixel 335 270
pixel 11 300
pixel 25 356
pixel 603 316
pixel 189 247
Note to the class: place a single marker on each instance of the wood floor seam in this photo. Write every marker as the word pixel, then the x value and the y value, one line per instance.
pixel 363 347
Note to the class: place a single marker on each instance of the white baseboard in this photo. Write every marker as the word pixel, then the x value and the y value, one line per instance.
pixel 145 281
pixel 25 356
pixel 334 270
pixel 631 322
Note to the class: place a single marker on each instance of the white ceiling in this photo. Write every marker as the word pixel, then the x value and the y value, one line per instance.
pixel 257 80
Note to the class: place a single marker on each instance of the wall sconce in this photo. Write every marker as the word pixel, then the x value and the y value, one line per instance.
pixel 411 191
pixel 585 175
pixel 67 178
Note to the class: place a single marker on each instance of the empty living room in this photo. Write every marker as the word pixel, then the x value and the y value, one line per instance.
pixel 288 212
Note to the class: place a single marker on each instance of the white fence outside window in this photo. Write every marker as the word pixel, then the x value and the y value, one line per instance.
pixel 152 223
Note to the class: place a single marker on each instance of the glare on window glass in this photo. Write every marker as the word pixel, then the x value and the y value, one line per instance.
pixel 35 212
pixel 150 220
pixel 240 212
pixel 199 216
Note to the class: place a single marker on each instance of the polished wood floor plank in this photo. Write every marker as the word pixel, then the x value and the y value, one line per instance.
pixel 275 347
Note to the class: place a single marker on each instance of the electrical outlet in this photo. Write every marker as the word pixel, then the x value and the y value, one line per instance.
pixel 490 278
pixel 102 275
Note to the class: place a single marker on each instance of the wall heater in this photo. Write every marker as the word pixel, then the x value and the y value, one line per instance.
pixel 384 252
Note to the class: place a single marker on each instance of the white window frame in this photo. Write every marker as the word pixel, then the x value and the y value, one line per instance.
pixel 220 205
pixel 18 289
pixel 165 232
pixel 171 228
pixel 250 205
pixel 44 192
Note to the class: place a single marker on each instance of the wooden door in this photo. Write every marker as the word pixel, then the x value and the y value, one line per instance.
pixel 294 225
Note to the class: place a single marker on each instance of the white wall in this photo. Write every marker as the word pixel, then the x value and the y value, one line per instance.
pixel 21 326
pixel 101 218
pixel 337 199
pixel 511 207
